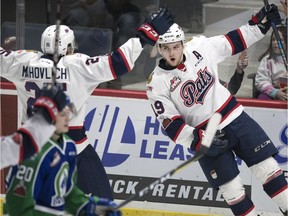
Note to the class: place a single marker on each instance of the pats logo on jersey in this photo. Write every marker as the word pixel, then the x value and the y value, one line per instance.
pixel 194 91
pixel 174 83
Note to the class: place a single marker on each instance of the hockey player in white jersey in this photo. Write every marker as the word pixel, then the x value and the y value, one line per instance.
pixel 32 135
pixel 80 75
pixel 184 92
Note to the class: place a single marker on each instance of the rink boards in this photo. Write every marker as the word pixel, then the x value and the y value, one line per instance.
pixel 135 152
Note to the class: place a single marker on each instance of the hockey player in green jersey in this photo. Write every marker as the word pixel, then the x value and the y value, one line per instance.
pixel 45 184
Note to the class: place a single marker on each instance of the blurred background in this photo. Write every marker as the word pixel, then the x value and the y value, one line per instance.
pixel 103 25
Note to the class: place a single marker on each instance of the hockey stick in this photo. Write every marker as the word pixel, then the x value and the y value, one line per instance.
pixel 277 36
pixel 206 143
pixel 56 54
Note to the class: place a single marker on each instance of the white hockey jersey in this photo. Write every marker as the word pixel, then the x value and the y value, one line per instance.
pixel 185 97
pixel 14 149
pixel 79 73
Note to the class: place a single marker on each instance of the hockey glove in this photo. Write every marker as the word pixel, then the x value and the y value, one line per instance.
pixel 156 24
pixel 271 13
pixel 51 101
pixel 100 206
pixel 218 146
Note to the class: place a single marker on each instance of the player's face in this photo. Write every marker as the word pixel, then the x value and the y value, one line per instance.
pixel 173 53
pixel 62 120
pixel 275 46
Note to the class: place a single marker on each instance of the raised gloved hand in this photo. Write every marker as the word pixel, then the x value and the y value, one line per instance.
pixel 156 24
pixel 272 15
pixel 218 146
pixel 52 100
pixel 100 207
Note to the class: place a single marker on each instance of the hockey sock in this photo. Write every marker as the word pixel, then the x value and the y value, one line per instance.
pixel 277 189
pixel 244 207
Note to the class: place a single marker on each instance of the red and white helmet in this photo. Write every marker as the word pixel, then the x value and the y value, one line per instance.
pixel 174 34
pixel 66 37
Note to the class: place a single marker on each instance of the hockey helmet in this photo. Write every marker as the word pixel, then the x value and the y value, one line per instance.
pixel 174 34
pixel 66 37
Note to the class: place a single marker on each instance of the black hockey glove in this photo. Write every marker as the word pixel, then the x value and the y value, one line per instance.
pixel 156 24
pixel 271 13
pixel 52 100
pixel 218 146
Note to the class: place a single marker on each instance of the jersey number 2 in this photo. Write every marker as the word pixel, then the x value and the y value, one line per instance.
pixel 32 86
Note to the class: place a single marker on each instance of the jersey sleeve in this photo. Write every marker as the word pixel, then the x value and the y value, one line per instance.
pixel 220 47
pixel 29 140
pixel 12 62
pixel 75 201
pixel 36 131
pixel 104 68
pixel 166 112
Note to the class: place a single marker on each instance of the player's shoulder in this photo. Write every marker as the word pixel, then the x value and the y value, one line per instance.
pixel 27 55
pixel 70 144
pixel 28 52
pixel 158 79
pixel 195 39
pixel 75 56
pixel 74 59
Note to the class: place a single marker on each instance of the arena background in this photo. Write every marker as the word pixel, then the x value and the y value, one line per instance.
pixel 205 17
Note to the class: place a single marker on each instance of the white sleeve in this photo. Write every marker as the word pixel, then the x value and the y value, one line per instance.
pixel 103 68
pixel 36 128
pixel 12 62
pixel 10 150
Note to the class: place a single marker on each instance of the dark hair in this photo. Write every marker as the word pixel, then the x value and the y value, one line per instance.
pixel 283 30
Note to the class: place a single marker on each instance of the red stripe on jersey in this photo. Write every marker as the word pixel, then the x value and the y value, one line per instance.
pixel 75 127
pixel 178 132
pixel 242 39
pixel 81 141
pixel 111 66
pixel 176 117
pixel 224 113
pixel 21 157
pixel 279 191
pixel 228 113
pixel 231 44
pixel 125 60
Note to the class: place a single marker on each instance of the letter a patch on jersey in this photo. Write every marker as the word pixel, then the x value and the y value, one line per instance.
pixel 174 83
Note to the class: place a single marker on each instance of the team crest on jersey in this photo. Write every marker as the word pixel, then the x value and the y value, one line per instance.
pixel 194 91
pixel 56 159
pixel 20 189
pixel 174 83
pixel 213 174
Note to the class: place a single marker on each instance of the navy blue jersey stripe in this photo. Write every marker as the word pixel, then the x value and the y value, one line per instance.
pixel 225 110
pixel 174 127
pixel 77 134
pixel 119 63
pixel 236 40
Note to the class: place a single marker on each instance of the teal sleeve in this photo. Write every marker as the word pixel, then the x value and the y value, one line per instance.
pixel 274 93
pixel 76 201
